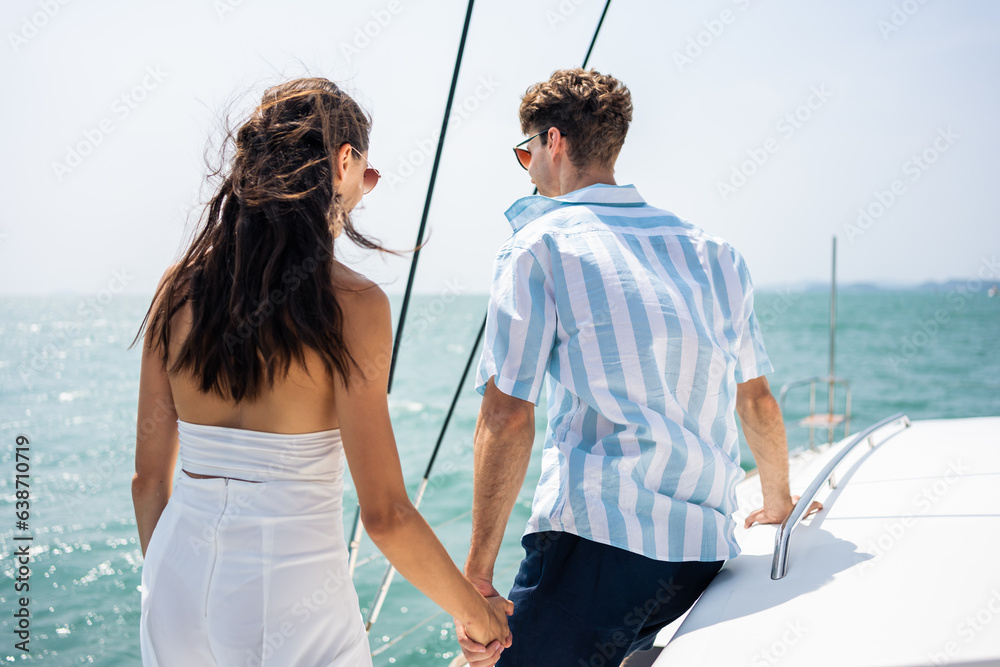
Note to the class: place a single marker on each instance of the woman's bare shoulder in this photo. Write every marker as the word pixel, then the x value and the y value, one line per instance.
pixel 344 277
pixel 360 297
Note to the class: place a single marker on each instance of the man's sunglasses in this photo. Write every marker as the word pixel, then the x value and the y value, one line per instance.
pixel 371 173
pixel 523 156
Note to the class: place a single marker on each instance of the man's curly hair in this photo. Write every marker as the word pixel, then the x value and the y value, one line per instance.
pixel 593 109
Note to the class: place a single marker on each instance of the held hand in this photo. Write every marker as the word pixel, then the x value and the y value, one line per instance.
pixel 770 515
pixel 491 623
pixel 486 655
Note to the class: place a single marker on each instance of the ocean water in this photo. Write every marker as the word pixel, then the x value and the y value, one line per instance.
pixel 68 384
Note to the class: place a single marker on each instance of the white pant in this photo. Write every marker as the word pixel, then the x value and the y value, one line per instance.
pixel 250 574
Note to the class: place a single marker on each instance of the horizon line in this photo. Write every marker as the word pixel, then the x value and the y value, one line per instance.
pixel 799 285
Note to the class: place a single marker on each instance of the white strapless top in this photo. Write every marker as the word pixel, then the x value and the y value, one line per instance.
pixel 260 456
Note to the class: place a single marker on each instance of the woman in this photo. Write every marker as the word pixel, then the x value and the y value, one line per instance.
pixel 265 364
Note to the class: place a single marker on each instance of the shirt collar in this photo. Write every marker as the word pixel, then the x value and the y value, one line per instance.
pixel 530 208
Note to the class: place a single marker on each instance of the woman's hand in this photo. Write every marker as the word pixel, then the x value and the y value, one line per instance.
pixel 482 640
pixel 491 623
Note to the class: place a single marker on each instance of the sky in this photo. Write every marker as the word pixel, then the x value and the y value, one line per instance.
pixel 775 125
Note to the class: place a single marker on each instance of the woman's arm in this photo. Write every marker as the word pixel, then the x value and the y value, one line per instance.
pixel 390 519
pixel 155 442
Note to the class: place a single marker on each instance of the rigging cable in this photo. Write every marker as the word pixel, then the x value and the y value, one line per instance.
pixel 430 196
pixel 391 571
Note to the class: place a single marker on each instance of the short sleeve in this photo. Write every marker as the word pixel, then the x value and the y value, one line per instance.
pixel 751 359
pixel 520 326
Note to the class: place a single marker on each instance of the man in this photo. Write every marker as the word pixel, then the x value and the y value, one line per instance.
pixel 644 325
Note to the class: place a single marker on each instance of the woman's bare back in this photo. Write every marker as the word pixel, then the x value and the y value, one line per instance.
pixel 302 402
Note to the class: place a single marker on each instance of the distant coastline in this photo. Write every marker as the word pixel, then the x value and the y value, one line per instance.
pixel 971 284
pixel 951 285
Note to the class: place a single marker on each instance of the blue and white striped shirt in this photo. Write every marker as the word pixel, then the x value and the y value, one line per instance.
pixel 644 324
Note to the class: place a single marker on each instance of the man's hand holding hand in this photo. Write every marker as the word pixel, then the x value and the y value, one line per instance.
pixel 475 653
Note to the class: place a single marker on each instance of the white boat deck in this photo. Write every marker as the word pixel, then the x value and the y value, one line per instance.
pixel 900 568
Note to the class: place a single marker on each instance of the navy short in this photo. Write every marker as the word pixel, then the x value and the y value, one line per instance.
pixel 579 603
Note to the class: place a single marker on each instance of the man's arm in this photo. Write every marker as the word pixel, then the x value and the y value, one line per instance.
pixel 519 336
pixel 765 432
pixel 504 435
pixel 505 431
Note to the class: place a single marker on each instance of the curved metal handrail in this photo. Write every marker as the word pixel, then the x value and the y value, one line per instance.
pixel 779 566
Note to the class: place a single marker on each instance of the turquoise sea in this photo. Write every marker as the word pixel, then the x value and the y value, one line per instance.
pixel 68 384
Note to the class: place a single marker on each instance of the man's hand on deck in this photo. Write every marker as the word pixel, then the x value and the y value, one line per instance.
pixel 768 514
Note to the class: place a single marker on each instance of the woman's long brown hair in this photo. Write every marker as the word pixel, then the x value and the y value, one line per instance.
pixel 259 272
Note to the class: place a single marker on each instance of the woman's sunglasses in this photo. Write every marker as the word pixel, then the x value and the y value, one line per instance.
pixel 371 173
pixel 523 156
